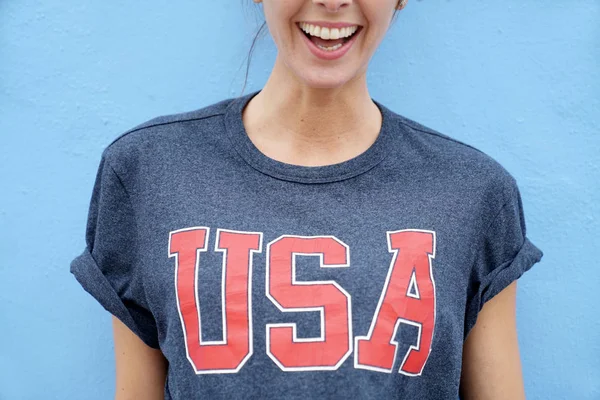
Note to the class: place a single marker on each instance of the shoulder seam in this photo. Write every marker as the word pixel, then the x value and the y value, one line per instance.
pixel 489 225
pixel 132 130
pixel 108 163
pixel 442 137
pixel 506 202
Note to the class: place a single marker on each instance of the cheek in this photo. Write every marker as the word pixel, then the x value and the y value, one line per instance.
pixel 378 14
pixel 279 15
pixel 378 26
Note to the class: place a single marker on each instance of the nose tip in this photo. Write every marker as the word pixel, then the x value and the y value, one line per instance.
pixel 333 5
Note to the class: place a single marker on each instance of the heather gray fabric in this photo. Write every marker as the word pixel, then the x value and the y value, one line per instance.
pixel 199 169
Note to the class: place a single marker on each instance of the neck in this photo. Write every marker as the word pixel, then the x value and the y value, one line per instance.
pixel 341 120
pixel 314 112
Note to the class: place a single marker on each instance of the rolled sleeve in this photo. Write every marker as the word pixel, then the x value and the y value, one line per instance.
pixel 109 268
pixel 504 253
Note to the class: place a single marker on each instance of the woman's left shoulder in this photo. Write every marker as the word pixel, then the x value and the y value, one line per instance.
pixel 455 159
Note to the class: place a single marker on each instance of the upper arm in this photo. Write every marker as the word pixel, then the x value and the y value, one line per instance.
pixel 141 370
pixel 491 362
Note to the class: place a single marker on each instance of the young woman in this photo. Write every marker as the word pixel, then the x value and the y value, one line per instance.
pixel 304 241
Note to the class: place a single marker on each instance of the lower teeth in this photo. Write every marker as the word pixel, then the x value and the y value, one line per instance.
pixel 333 48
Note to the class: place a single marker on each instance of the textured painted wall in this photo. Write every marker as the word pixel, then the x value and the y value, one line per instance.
pixel 519 79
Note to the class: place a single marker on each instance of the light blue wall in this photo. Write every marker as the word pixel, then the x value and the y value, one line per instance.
pixel 519 79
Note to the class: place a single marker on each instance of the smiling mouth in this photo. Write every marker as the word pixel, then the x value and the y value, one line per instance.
pixel 329 39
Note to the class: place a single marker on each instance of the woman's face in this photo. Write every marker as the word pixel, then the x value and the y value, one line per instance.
pixel 337 61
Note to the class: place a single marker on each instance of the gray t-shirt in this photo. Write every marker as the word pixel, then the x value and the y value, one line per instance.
pixel 265 280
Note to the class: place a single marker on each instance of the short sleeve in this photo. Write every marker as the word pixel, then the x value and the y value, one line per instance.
pixel 503 254
pixel 106 268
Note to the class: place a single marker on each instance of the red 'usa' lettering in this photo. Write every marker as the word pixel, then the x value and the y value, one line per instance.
pixel 229 354
pixel 408 296
pixel 288 351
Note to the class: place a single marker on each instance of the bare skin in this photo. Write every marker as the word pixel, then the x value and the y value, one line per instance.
pixel 313 113
pixel 141 370
pixel 491 361
pixel 307 127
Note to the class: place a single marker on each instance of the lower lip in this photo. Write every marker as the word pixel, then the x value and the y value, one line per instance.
pixel 328 55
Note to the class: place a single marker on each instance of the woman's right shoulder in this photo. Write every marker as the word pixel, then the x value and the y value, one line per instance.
pixel 160 130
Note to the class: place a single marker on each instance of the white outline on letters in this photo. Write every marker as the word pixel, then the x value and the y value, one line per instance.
pixel 413 283
pixel 321 310
pixel 400 320
pixel 223 309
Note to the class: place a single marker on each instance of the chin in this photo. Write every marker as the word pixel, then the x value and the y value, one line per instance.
pixel 322 80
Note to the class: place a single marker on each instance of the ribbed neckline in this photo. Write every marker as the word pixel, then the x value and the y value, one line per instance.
pixel 301 173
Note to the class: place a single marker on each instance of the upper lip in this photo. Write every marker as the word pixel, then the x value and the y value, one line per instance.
pixel 330 25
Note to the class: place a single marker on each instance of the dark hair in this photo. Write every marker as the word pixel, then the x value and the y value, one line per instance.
pixel 249 56
pixel 256 37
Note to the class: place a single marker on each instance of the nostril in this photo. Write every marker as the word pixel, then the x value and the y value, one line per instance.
pixel 333 5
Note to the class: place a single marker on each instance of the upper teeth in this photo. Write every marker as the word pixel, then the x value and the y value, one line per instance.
pixel 328 33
